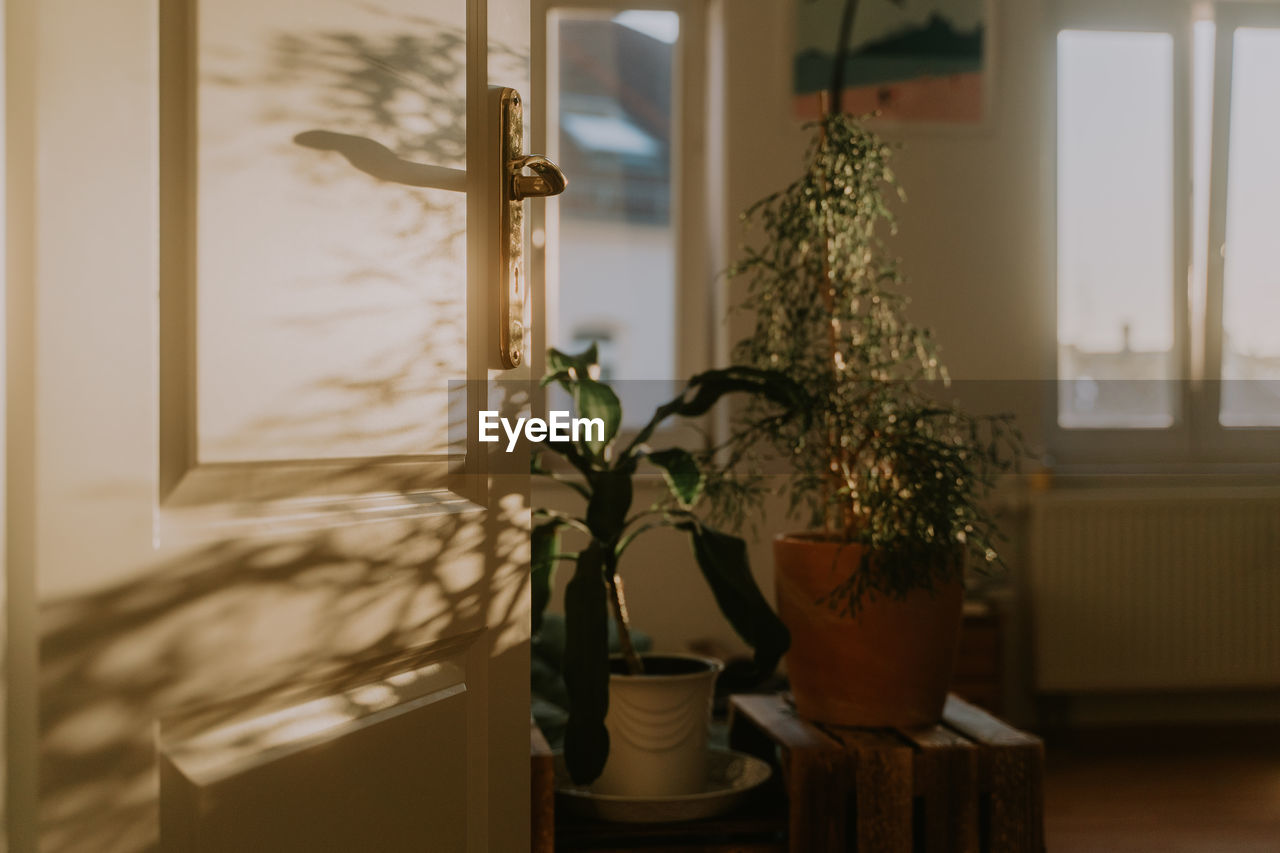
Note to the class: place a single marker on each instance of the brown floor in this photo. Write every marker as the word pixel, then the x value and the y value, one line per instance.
pixel 1221 801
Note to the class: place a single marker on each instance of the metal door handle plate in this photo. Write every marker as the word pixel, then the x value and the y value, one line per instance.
pixel 515 187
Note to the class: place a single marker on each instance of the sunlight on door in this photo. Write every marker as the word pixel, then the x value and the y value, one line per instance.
pixel 308 146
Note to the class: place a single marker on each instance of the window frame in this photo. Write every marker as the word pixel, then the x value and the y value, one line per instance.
pixel 1196 436
pixel 1234 443
pixel 696 265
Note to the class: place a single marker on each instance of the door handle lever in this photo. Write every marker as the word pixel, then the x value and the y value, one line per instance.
pixel 546 180
pixel 515 186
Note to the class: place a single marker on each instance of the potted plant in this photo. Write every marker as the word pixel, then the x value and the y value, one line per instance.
pixel 646 715
pixel 892 477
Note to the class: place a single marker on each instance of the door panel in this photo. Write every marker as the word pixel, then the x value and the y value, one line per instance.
pixel 269 783
pixel 330 196
pixel 256 264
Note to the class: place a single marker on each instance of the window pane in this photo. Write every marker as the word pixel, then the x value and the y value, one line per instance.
pixel 617 247
pixel 1115 229
pixel 1251 276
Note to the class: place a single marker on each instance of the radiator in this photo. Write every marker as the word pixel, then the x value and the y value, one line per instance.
pixel 1156 589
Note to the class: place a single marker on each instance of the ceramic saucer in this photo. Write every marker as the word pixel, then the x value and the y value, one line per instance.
pixel 730 776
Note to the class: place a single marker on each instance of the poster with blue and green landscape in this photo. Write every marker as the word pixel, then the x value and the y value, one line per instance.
pixel 907 59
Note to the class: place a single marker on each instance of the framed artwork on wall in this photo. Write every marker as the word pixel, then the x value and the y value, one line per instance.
pixel 905 60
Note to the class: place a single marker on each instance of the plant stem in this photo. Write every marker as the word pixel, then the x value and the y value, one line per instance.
pixel 842 52
pixel 618 599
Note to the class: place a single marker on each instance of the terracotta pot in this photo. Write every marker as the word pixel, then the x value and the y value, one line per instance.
pixel 888 665
pixel 658 725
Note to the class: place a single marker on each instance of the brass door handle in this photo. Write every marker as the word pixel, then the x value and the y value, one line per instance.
pixel 514 187
pixel 547 180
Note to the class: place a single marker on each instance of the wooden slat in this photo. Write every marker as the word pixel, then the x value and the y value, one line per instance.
pixel 772 714
pixel 946 780
pixel 731 847
pixel 982 727
pixel 819 796
pixel 1011 771
pixel 739 831
pixel 542 788
pixel 882 769
pixel 816 770
pixel 736 824
pixel 1017 819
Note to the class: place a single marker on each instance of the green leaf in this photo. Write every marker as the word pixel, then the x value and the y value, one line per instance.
pixel 581 364
pixel 566 369
pixel 709 386
pixel 705 390
pixel 681 471
pixel 723 560
pixel 586 666
pixel 611 494
pixel 593 400
pixel 544 546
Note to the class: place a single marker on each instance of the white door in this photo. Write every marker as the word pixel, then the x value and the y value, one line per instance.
pixel 260 598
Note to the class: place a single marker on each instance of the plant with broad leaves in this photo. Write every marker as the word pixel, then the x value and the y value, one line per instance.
pixel 602 470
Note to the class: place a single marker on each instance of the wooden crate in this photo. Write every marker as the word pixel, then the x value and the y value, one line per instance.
pixel 972 783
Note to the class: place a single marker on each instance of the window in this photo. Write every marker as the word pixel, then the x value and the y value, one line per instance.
pixel 626 264
pixel 1115 229
pixel 1167 207
pixel 1250 267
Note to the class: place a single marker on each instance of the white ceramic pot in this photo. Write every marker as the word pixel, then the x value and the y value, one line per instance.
pixel 657 726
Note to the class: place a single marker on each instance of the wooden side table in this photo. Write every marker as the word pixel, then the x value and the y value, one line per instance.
pixel 971 783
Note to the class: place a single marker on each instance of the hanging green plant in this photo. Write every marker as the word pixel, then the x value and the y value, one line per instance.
pixel 885 461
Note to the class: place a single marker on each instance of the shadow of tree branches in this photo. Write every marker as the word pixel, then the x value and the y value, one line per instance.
pixel 257 623
pixel 393 106
pixel 239 626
